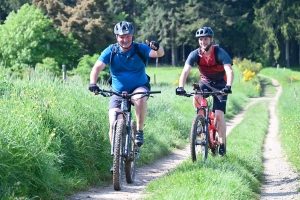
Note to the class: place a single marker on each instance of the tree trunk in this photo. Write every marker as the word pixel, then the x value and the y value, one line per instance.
pixel 183 53
pixel 287 55
pixel 173 52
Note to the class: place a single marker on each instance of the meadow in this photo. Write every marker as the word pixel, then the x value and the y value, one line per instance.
pixel 239 176
pixel 54 133
pixel 288 110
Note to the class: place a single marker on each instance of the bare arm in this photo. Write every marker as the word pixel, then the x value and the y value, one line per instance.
pixel 156 54
pixel 229 74
pixel 97 68
pixel 184 74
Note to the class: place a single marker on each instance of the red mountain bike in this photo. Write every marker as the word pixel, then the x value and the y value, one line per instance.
pixel 204 131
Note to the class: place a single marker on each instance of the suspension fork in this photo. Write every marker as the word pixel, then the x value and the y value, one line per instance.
pixel 128 134
pixel 206 122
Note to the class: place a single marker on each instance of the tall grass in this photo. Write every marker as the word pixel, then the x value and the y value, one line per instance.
pixel 51 139
pixel 54 133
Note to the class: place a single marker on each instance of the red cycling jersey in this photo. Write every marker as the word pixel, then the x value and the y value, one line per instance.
pixel 209 68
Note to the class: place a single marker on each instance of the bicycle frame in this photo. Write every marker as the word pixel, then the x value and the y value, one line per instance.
pixel 205 117
pixel 209 119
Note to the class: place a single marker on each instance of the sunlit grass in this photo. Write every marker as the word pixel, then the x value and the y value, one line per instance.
pixel 237 176
pixel 288 111
pixel 54 133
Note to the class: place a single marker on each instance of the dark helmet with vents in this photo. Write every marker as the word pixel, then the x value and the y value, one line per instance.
pixel 205 32
pixel 123 27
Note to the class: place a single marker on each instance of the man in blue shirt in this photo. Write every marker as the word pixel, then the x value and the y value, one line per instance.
pixel 128 73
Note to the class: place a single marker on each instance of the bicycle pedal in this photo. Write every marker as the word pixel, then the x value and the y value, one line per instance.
pixel 137 153
pixel 201 142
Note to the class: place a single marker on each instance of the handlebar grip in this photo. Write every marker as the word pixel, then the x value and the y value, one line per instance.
pixel 155 92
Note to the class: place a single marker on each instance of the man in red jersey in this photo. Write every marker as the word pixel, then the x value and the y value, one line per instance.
pixel 215 67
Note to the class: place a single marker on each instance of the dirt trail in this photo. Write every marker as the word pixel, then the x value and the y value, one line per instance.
pixel 280 181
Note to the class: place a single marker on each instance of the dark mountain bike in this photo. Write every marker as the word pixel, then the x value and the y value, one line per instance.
pixel 204 131
pixel 123 149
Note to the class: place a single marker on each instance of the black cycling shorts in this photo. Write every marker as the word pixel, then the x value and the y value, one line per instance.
pixel 219 102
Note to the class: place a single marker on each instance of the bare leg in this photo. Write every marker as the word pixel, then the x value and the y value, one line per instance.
pixel 140 106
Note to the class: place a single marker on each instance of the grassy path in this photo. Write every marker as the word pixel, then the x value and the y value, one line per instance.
pixel 240 175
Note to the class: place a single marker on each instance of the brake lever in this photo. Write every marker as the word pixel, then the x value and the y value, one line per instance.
pixel 145 95
pixel 105 94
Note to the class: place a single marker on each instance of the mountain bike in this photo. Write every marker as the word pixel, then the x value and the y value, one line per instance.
pixel 204 130
pixel 123 149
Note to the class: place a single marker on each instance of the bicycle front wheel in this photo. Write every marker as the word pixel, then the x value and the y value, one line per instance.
pixel 119 150
pixel 215 136
pixel 198 139
pixel 130 163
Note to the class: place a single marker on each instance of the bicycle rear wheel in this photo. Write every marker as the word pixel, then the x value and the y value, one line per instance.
pixel 130 163
pixel 198 139
pixel 119 150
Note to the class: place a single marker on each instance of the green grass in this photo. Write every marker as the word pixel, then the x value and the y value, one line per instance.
pixel 268 90
pixel 288 110
pixel 54 134
pixel 237 176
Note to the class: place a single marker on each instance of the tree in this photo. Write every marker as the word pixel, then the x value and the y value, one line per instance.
pixel 6 6
pixel 162 21
pixel 278 22
pixel 27 37
pixel 88 22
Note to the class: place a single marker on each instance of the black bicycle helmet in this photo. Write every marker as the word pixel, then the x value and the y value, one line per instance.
pixel 123 27
pixel 204 32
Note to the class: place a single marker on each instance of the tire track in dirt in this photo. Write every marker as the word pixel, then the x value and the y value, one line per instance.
pixel 146 174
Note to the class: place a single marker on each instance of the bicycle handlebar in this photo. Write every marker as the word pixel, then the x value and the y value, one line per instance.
pixel 108 93
pixel 204 93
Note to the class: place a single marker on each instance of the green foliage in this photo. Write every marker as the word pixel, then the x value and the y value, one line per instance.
pixel 247 64
pixel 88 21
pixel 50 65
pixel 5 86
pixel 27 37
pixel 248 68
pixel 253 86
pixel 277 22
pixel 85 66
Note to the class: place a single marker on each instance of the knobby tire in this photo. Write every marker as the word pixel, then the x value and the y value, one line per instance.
pixel 118 166
pixel 130 163
pixel 196 140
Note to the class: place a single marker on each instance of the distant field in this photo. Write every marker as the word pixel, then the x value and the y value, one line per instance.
pixel 165 75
